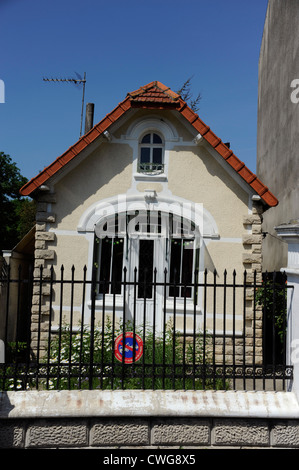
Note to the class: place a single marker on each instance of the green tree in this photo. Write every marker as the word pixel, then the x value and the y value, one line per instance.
pixel 17 213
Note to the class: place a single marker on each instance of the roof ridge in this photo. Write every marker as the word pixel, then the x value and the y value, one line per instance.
pixel 155 84
pixel 167 90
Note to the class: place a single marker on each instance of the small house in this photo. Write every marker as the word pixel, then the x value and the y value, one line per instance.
pixel 149 197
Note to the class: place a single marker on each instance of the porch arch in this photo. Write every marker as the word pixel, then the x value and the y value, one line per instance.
pixel 195 212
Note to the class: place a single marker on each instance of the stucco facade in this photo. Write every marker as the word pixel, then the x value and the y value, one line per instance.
pixel 194 176
pixel 197 180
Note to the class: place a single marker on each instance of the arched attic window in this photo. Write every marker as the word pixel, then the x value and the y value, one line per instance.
pixel 151 154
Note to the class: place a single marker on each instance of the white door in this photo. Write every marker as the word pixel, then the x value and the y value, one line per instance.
pixel 146 270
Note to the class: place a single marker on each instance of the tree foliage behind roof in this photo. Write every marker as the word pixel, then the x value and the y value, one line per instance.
pixel 187 95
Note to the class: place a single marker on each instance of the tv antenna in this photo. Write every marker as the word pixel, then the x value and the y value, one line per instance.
pixel 76 81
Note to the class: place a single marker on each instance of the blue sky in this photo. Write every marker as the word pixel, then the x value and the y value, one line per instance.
pixel 122 45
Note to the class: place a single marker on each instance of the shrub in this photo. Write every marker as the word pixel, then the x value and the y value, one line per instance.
pixel 272 296
pixel 168 362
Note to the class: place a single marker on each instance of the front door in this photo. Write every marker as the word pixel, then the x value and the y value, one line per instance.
pixel 133 263
pixel 147 264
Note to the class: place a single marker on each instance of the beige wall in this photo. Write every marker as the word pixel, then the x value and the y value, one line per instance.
pixel 105 173
pixel 194 174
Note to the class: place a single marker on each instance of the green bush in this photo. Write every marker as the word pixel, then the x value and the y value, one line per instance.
pixel 272 296
pixel 165 364
pixel 168 362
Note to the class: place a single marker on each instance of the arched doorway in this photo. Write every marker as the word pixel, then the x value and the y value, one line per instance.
pixel 146 259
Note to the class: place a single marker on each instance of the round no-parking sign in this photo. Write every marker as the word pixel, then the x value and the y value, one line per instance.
pixel 127 349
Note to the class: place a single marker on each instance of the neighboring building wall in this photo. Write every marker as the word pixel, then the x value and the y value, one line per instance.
pixel 278 123
pixel 16 266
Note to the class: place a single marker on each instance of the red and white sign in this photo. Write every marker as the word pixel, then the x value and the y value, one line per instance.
pixel 119 347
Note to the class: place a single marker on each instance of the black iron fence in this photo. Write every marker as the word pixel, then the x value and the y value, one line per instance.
pixel 72 331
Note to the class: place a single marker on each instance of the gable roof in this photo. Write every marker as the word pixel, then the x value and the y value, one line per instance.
pixel 155 95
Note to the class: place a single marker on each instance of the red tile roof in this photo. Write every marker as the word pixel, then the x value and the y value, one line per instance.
pixel 155 95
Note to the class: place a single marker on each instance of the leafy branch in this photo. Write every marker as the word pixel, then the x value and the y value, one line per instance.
pixel 186 94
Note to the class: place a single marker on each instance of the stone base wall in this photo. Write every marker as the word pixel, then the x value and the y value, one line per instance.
pixel 147 433
pixel 148 419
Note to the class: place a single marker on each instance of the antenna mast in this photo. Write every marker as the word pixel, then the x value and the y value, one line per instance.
pixel 76 81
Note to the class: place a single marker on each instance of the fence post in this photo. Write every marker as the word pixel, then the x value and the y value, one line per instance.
pixel 2 352
pixel 290 234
